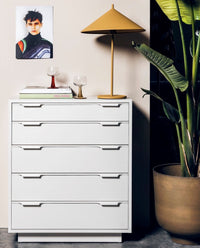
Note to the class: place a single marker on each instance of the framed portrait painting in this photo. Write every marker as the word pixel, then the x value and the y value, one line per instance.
pixel 34 32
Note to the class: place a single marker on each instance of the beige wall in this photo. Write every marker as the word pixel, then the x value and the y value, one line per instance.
pixel 77 53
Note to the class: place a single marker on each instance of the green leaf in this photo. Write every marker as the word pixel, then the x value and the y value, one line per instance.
pixel 149 92
pixel 185 6
pixel 171 112
pixel 164 65
pixel 178 80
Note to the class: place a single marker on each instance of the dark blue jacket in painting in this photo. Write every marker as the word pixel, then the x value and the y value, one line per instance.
pixel 34 47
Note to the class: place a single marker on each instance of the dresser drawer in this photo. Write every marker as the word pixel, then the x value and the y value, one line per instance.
pixel 69 133
pixel 70 216
pixel 91 158
pixel 41 187
pixel 70 112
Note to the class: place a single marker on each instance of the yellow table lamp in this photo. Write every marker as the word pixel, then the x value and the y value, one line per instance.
pixel 112 22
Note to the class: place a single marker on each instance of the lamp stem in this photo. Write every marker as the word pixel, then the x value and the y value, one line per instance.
pixel 112 62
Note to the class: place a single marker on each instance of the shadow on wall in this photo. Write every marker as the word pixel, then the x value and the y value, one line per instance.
pixel 141 177
pixel 123 40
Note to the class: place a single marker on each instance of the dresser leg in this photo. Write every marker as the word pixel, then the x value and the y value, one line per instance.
pixel 32 237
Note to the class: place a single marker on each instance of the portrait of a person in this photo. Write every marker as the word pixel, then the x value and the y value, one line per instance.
pixel 34 46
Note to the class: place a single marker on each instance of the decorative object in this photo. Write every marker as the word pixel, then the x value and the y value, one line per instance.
pixel 112 22
pixel 38 92
pixel 80 81
pixel 34 32
pixel 51 142
pixel 177 203
pixel 187 123
pixel 52 71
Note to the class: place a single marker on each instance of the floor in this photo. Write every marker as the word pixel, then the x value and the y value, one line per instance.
pixel 156 239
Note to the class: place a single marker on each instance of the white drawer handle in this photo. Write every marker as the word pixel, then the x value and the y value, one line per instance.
pixel 31 175
pixel 31 204
pixel 109 204
pixel 108 105
pixel 110 124
pixel 32 105
pixel 110 175
pixel 29 124
pixel 110 147
pixel 31 147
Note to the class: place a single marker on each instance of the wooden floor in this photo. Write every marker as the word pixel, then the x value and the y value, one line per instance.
pixel 156 239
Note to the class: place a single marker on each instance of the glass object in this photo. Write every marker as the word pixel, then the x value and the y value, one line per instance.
pixel 80 81
pixel 52 72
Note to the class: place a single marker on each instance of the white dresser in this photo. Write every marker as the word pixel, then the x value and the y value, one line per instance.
pixel 70 170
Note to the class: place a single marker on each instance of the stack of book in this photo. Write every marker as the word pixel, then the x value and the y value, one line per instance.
pixel 39 92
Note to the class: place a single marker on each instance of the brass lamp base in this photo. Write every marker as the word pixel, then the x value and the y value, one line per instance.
pixel 80 97
pixel 111 96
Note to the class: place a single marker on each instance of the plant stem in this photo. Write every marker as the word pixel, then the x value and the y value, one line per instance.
pixel 198 137
pixel 182 160
pixel 193 31
pixel 190 102
pixel 182 39
pixel 189 99
pixel 196 98
pixel 196 63
pixel 189 93
pixel 198 114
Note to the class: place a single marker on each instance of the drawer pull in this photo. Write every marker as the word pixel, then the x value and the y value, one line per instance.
pixel 32 105
pixel 110 175
pixel 31 175
pixel 31 204
pixel 108 105
pixel 31 147
pixel 110 147
pixel 29 124
pixel 109 204
pixel 110 124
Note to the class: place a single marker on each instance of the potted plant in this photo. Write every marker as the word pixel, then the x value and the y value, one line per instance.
pixel 177 187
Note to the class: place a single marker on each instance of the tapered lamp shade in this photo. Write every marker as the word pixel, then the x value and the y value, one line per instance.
pixel 112 22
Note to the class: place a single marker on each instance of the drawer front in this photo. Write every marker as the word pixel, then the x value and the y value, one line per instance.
pixel 70 216
pixel 70 158
pixel 70 112
pixel 38 187
pixel 70 133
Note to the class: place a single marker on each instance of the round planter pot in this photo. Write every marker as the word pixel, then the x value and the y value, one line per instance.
pixel 177 203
